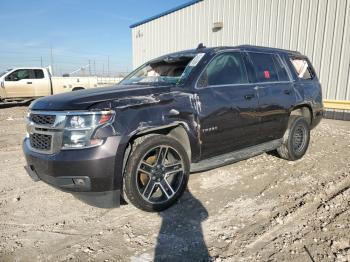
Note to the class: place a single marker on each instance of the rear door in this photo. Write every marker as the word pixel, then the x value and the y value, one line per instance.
pixel 275 92
pixel 41 83
pixel 228 105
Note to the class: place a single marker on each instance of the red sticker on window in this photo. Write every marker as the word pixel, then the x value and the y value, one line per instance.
pixel 267 74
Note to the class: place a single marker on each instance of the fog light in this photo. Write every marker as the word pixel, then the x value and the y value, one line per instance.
pixel 79 181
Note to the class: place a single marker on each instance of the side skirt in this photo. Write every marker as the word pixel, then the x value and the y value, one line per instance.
pixel 235 156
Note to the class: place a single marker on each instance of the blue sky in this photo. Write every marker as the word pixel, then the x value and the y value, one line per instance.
pixel 77 30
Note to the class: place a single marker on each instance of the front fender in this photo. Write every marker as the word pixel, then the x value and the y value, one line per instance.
pixel 140 115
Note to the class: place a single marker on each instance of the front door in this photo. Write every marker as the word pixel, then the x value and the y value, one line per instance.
pixel 19 83
pixel 228 106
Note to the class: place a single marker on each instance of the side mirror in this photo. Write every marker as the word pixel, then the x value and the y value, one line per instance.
pixel 2 84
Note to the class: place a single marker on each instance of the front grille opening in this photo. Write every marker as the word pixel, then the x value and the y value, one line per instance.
pixel 43 119
pixel 40 141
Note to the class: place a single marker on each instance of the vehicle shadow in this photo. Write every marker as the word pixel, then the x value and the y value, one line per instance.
pixel 9 105
pixel 181 237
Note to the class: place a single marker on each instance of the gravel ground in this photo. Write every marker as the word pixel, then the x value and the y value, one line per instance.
pixel 261 209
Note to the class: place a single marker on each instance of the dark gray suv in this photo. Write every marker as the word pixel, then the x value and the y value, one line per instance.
pixel 184 112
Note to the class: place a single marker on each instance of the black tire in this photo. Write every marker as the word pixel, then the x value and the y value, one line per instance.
pixel 296 139
pixel 145 178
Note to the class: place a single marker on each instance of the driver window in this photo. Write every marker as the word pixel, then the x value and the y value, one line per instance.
pixel 224 69
pixel 18 75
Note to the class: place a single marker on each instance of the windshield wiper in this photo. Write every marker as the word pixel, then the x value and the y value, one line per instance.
pixel 150 83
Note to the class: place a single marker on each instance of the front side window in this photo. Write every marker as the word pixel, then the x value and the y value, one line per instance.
pixel 302 68
pixel 19 75
pixel 224 69
pixel 168 70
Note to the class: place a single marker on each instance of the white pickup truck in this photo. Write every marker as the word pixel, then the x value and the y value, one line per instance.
pixel 27 83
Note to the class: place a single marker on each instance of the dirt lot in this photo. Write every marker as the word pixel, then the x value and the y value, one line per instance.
pixel 260 209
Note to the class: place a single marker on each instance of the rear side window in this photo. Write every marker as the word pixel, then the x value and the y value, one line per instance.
pixel 38 74
pixel 225 69
pixel 281 69
pixel 267 67
pixel 302 68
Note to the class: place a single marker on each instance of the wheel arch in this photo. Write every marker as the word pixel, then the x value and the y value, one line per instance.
pixel 177 131
pixel 76 88
pixel 304 110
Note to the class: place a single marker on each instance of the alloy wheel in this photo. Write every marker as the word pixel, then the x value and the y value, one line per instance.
pixel 160 174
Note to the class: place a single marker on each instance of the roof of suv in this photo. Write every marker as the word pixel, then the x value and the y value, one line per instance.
pixel 269 49
pixel 239 47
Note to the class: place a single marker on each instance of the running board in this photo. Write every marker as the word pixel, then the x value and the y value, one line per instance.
pixel 235 156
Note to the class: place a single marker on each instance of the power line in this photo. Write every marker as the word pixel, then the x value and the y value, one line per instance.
pixel 76 55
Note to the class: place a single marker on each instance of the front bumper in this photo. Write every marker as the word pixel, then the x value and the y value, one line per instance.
pixel 89 174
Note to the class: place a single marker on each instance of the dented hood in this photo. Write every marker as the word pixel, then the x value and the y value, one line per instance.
pixel 84 99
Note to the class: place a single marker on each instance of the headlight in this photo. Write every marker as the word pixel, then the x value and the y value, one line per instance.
pixel 80 128
pixel 78 121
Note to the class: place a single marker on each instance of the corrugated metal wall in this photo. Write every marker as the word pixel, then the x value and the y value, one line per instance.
pixel 318 28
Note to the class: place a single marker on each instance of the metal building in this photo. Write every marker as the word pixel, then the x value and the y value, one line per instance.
pixel 318 28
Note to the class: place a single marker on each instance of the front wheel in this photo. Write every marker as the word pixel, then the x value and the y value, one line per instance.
pixel 296 139
pixel 157 173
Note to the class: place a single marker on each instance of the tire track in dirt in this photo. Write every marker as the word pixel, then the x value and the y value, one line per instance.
pixel 297 214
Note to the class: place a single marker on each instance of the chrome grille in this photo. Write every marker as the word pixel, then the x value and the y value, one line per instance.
pixel 40 119
pixel 40 141
pixel 45 130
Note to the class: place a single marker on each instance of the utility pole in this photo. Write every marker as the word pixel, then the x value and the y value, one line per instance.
pixel 108 67
pixel 41 61
pixel 89 68
pixel 94 67
pixel 51 61
pixel 103 69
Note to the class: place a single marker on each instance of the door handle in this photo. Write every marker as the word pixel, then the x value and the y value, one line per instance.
pixel 29 83
pixel 249 96
pixel 173 112
pixel 287 92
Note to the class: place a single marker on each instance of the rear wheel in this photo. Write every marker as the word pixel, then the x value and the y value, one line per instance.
pixel 156 174
pixel 296 139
